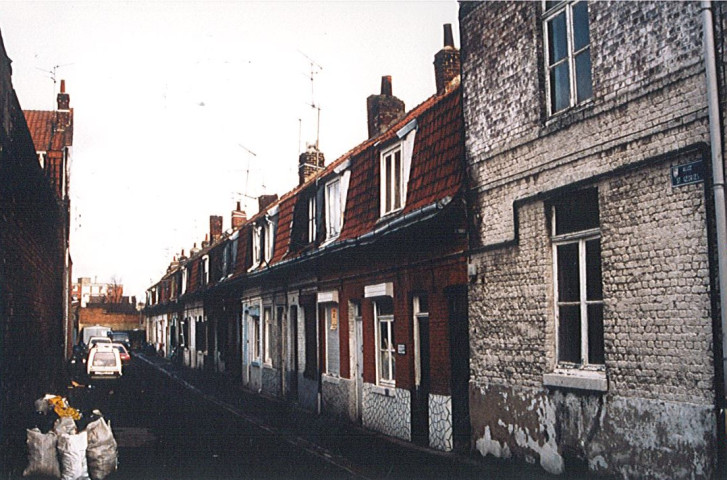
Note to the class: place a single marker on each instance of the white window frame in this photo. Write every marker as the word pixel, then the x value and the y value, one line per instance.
pixel 580 238
pixel 312 219
pixel 550 14
pixel 256 336
pixel 328 316
pixel 390 184
pixel 267 319
pixel 334 212
pixel 185 274
pixel 205 266
pixel 256 250
pixel 385 374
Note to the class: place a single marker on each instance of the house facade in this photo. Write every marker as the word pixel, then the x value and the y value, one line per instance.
pixel 593 303
pixel 346 295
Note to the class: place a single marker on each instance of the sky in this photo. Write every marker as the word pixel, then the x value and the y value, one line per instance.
pixel 183 108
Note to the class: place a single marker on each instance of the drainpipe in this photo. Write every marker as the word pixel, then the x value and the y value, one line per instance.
pixel 715 140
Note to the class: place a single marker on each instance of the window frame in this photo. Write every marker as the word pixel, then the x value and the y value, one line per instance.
pixel 418 314
pixel 385 374
pixel 579 238
pixel 331 311
pixel 549 14
pixel 391 186
pixel 267 319
pixel 312 219
pixel 334 209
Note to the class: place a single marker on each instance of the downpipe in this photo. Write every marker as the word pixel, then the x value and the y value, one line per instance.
pixel 715 140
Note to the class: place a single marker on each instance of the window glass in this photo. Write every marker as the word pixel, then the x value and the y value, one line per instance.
pixel 595 334
pixel 557 39
pixel 594 284
pixel 569 334
pixel 396 186
pixel 560 87
pixel 333 207
pixel 568 276
pixel 580 26
pixel 387 186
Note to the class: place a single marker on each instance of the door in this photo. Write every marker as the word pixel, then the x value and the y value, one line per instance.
pixel 459 357
pixel 293 383
pixel 420 397
pixel 358 358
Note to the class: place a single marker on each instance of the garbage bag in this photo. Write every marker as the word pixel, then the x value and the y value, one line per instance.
pixel 64 425
pixel 61 407
pixel 102 452
pixel 72 450
pixel 42 458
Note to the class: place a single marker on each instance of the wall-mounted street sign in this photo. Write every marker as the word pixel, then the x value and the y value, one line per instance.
pixel 687 174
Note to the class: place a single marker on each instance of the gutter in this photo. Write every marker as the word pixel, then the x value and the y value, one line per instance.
pixel 715 140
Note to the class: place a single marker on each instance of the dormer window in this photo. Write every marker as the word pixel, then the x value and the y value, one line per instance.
pixel 263 242
pixel 204 270
pixel 333 208
pixel 392 184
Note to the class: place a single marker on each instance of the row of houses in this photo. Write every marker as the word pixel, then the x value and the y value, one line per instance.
pixel 524 265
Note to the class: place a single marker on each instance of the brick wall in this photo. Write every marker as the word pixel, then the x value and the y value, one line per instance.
pixel 647 114
pixel 31 269
pixel 100 315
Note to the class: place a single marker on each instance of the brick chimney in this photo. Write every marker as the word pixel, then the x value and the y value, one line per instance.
pixel 64 100
pixel 383 109
pixel 238 217
pixel 446 61
pixel 265 200
pixel 215 227
pixel 310 162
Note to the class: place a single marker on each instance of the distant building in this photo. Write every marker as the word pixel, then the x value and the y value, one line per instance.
pixel 119 316
pixel 86 291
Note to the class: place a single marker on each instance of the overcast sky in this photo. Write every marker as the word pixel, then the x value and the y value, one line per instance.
pixel 184 107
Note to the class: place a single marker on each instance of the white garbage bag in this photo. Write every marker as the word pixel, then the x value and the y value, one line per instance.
pixel 64 425
pixel 72 450
pixel 42 458
pixel 101 453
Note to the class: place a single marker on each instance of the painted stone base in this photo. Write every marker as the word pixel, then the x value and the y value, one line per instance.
pixel 627 437
pixel 387 410
pixel 440 422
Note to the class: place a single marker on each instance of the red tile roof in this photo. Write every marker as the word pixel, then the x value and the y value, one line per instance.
pixel 47 129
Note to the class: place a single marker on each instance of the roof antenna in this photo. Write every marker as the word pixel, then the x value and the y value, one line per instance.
pixel 247 173
pixel 315 68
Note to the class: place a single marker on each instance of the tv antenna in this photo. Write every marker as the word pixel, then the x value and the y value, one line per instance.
pixel 315 69
pixel 53 72
pixel 247 174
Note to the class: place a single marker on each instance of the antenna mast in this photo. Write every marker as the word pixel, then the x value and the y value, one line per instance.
pixel 315 68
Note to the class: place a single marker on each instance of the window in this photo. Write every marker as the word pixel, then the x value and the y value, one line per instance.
pixel 268 241
pixel 255 334
pixel 333 355
pixel 392 181
pixel 385 360
pixel 421 326
pixel 225 260
pixel 578 285
pixel 200 334
pixel 184 280
pixel 567 46
pixel 311 219
pixel 204 270
pixel 333 208
pixel 267 330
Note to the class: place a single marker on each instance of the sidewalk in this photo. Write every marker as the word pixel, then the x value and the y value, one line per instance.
pixel 361 452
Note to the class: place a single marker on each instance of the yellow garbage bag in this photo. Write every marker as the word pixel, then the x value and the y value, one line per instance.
pixel 61 407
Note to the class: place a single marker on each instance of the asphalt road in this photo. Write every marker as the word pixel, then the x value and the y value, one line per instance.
pixel 166 432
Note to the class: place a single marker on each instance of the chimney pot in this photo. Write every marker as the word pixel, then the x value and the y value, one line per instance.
pixel 448 37
pixel 384 109
pixel 386 85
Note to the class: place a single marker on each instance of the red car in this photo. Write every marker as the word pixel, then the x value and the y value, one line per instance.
pixel 123 353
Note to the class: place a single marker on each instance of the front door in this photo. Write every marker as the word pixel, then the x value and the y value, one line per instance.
pixel 358 355
pixel 420 398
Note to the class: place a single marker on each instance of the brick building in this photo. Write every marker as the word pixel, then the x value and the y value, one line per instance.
pixel 594 327
pixel 347 295
pixel 34 264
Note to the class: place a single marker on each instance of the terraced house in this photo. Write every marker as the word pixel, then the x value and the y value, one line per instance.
pixel 595 156
pixel 346 295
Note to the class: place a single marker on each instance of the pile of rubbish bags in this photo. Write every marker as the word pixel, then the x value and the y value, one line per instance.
pixel 68 445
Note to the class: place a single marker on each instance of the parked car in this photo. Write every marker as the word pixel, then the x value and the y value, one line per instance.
pixel 120 337
pixel 93 341
pixel 94 331
pixel 123 352
pixel 104 362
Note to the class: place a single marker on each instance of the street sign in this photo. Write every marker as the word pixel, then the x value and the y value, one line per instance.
pixel 687 174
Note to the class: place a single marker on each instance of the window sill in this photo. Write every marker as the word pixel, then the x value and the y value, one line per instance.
pixel 383 390
pixel 331 378
pixel 577 379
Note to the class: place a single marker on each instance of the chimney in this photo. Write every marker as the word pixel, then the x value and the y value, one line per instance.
pixel 383 109
pixel 64 100
pixel 446 61
pixel 238 217
pixel 310 162
pixel 265 200
pixel 194 250
pixel 215 227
